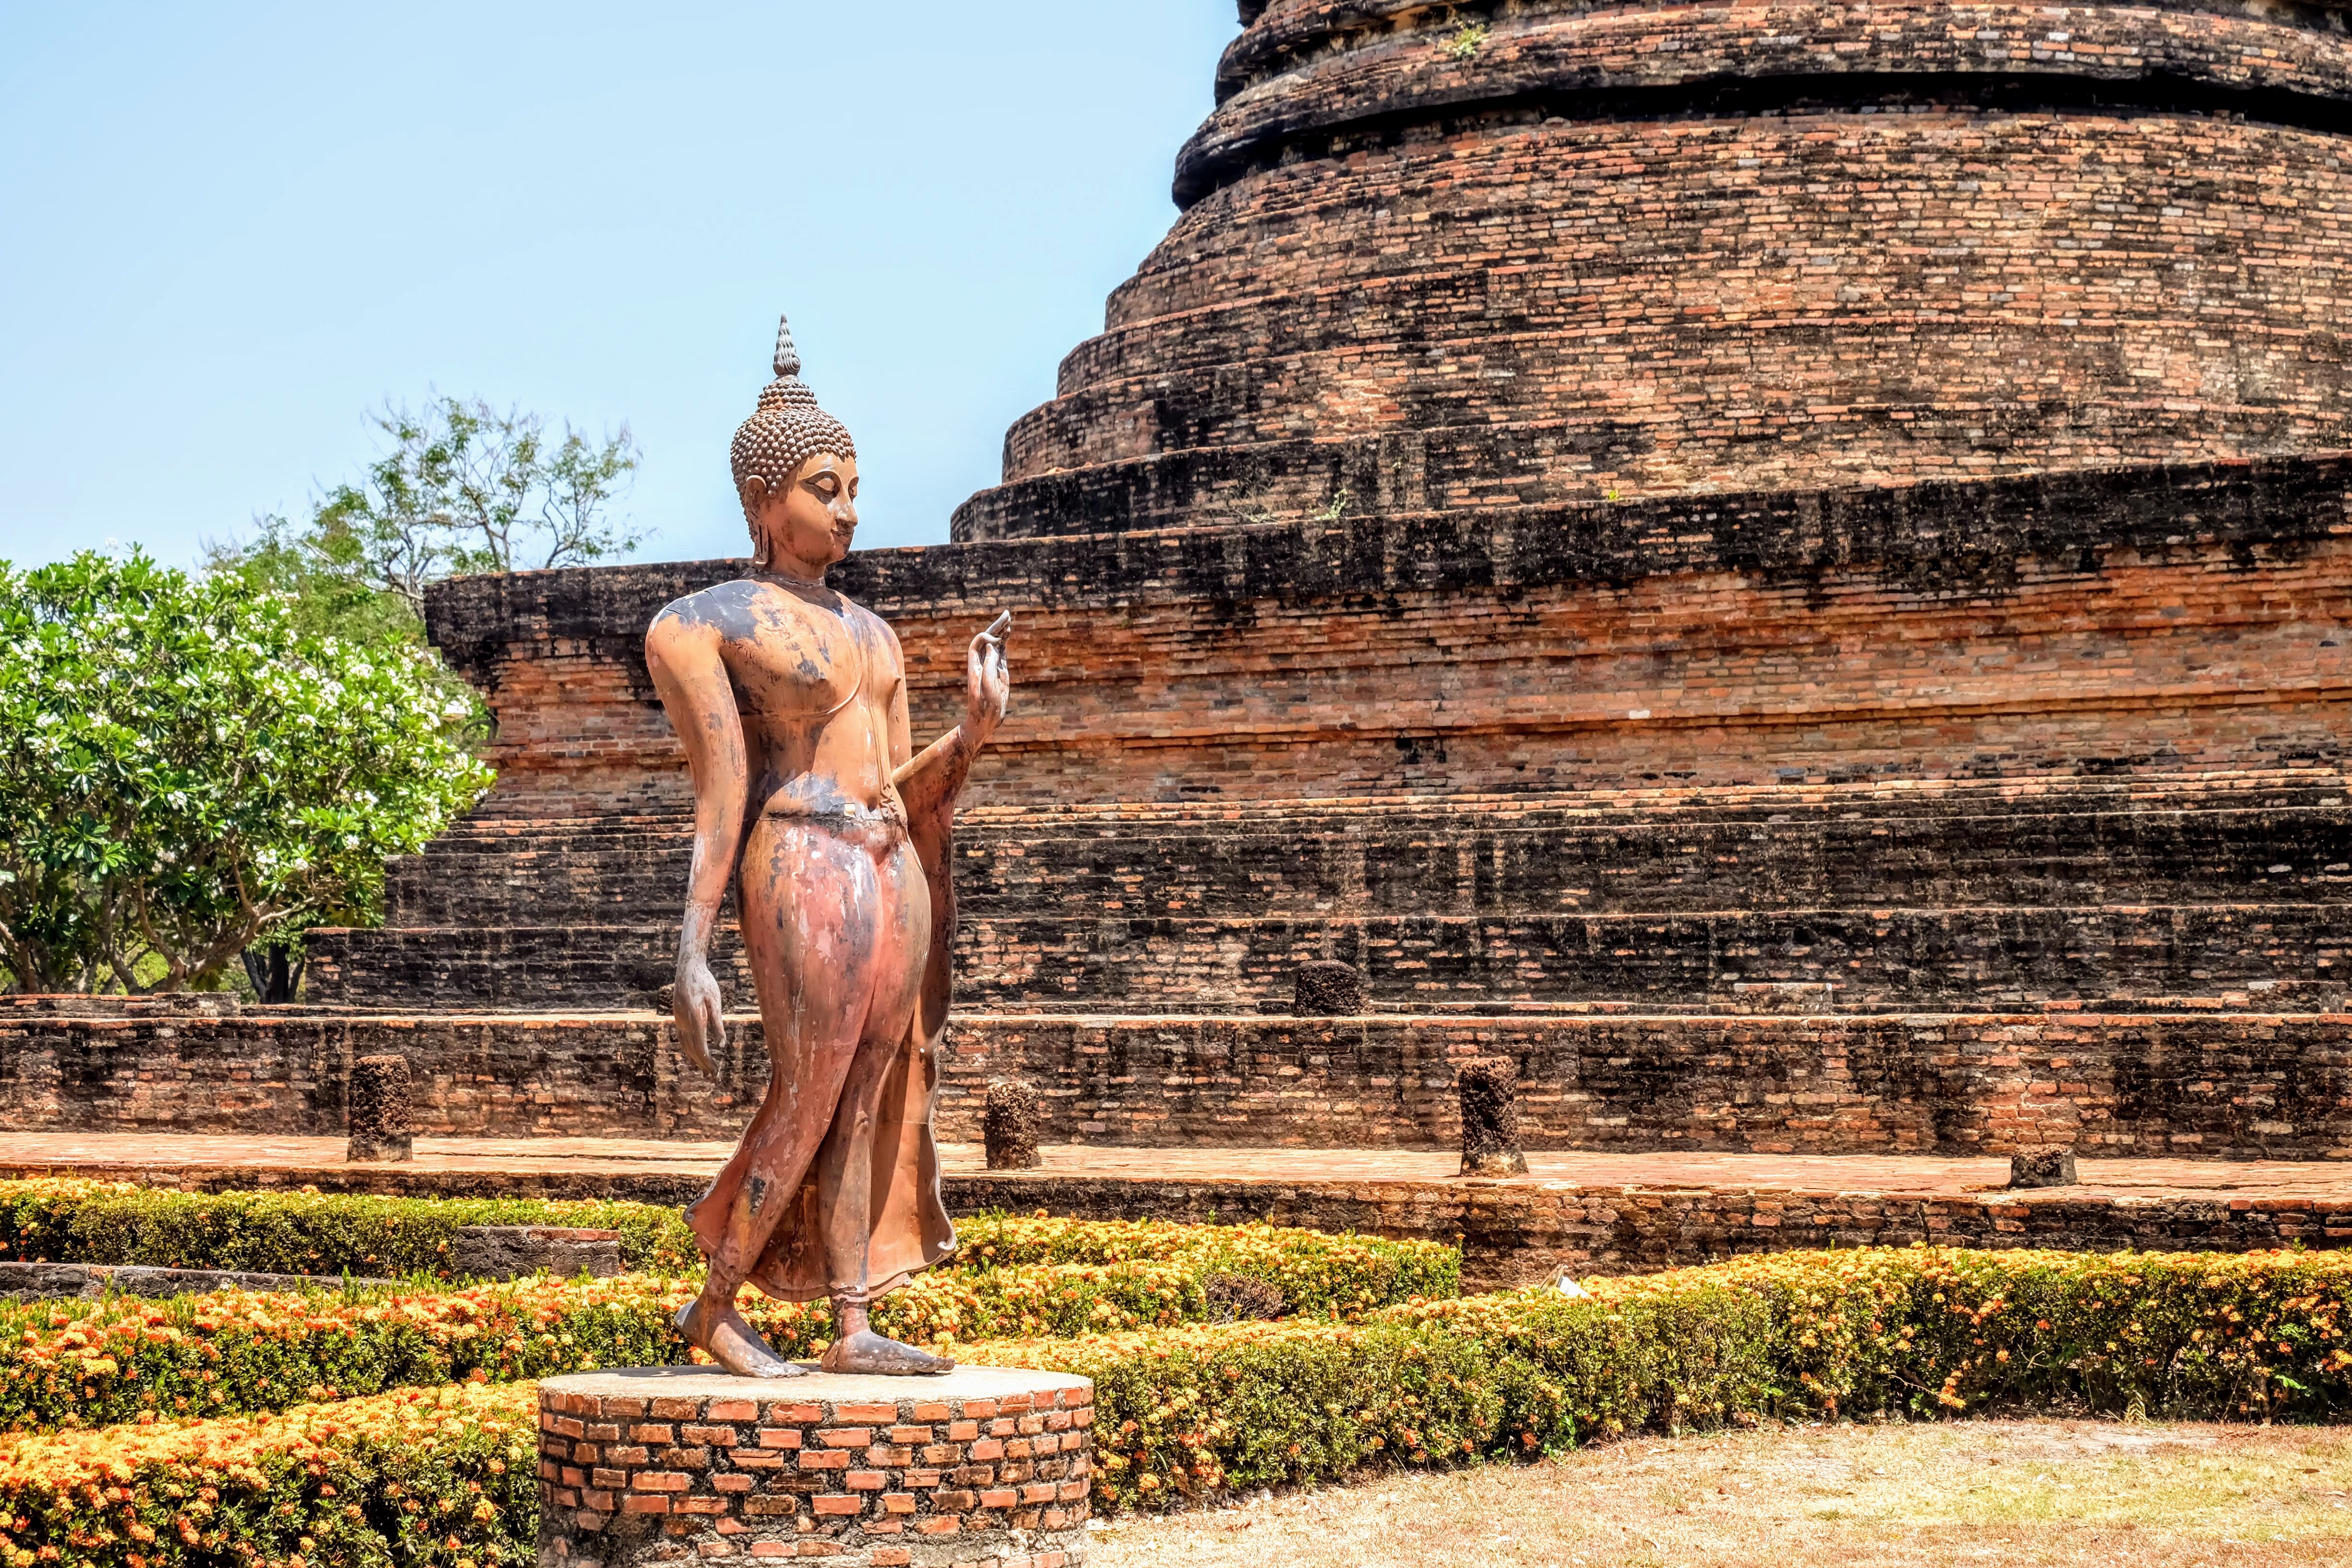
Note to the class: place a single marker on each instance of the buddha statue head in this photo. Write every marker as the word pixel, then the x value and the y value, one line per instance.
pixel 795 471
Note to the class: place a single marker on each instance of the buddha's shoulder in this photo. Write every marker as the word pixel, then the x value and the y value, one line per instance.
pixel 716 607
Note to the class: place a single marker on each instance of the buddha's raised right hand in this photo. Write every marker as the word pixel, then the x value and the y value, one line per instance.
pixel 696 1005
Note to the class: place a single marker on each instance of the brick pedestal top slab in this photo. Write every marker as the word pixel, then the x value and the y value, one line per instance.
pixel 681 1464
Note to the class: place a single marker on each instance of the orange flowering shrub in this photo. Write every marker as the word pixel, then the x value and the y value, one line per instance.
pixel 442 1478
pixel 79 1363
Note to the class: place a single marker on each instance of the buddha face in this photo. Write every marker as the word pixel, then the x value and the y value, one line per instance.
pixel 809 523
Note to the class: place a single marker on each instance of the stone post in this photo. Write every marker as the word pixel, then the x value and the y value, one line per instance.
pixel 1328 990
pixel 381 1129
pixel 1009 1127
pixel 1489 1086
pixel 2042 1168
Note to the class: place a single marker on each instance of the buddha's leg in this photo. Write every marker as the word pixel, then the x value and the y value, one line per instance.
pixel 810 902
pixel 846 1164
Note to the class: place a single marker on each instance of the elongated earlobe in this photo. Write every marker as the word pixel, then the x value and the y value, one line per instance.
pixel 752 492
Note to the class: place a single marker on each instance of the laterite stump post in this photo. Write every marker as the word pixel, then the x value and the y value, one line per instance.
pixel 985 1465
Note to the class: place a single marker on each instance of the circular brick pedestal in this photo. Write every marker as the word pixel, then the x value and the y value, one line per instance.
pixel 678 1465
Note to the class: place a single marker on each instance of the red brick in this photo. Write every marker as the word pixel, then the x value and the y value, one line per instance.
pixel 835 1504
pixel 781 1414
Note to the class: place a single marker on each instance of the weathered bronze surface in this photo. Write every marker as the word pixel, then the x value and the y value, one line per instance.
pixel 791 702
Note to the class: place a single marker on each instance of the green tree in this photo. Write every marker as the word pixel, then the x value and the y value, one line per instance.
pixel 464 488
pixel 187 770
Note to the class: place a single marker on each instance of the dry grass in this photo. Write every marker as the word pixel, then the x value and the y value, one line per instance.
pixel 2053 1492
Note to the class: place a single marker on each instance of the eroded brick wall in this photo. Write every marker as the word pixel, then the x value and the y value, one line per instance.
pixel 2138 620
pixel 2234 1085
pixel 1510 1233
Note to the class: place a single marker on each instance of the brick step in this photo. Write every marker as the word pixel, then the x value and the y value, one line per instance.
pixel 1419 855
pixel 1873 958
pixel 2153 790
pixel 2237 1085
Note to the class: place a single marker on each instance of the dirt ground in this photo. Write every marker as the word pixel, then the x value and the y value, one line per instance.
pixel 2041 1492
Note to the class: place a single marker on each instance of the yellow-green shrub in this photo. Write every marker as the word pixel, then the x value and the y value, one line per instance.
pixel 72 1221
pixel 1921 1332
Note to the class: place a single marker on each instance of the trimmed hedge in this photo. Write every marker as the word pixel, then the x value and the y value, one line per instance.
pixel 69 1221
pixel 66 1221
pixel 440 1478
pixel 1199 1409
pixel 1319 1273
pixel 89 1363
pixel 1918 1332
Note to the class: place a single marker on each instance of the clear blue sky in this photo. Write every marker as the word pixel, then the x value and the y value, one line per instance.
pixel 229 230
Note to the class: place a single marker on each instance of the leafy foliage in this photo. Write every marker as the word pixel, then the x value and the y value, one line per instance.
pixel 187 771
pixel 69 1220
pixel 462 487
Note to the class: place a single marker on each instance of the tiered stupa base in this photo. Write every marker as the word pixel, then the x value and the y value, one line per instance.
pixel 683 1464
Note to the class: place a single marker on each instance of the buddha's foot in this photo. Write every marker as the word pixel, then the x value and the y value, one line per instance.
pixel 868 1351
pixel 732 1343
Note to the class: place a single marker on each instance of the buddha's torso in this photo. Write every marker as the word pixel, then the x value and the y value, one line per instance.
pixel 815 676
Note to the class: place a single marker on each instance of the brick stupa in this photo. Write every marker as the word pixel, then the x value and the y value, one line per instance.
pixel 1785 568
